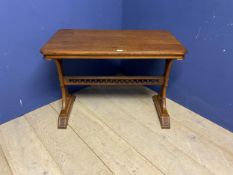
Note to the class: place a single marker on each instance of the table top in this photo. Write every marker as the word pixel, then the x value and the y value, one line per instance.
pixel 120 44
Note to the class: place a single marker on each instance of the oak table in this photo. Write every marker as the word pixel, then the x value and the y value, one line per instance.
pixel 113 44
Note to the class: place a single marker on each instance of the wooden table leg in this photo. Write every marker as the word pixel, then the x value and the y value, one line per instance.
pixel 160 99
pixel 67 99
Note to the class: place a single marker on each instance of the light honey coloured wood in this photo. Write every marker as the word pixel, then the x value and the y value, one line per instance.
pixel 123 138
pixel 69 151
pixel 24 151
pixel 113 44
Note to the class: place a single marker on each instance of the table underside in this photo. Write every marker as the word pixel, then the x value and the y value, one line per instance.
pixel 68 99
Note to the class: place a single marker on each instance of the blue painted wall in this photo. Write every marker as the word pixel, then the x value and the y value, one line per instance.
pixel 204 81
pixel 26 80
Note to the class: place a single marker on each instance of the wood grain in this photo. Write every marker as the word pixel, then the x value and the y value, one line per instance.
pixel 166 156
pixel 91 44
pixel 120 157
pixel 71 154
pixel 114 131
pixel 24 151
pixel 4 166
pixel 173 161
pixel 191 143
pixel 204 127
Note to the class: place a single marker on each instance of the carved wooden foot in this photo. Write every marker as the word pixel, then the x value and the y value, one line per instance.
pixel 162 112
pixel 65 113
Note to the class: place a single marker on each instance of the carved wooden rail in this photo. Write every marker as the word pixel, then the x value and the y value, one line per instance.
pixel 116 80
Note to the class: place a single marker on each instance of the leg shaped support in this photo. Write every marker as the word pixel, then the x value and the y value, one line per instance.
pixel 164 117
pixel 65 112
pixel 160 100
pixel 67 99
